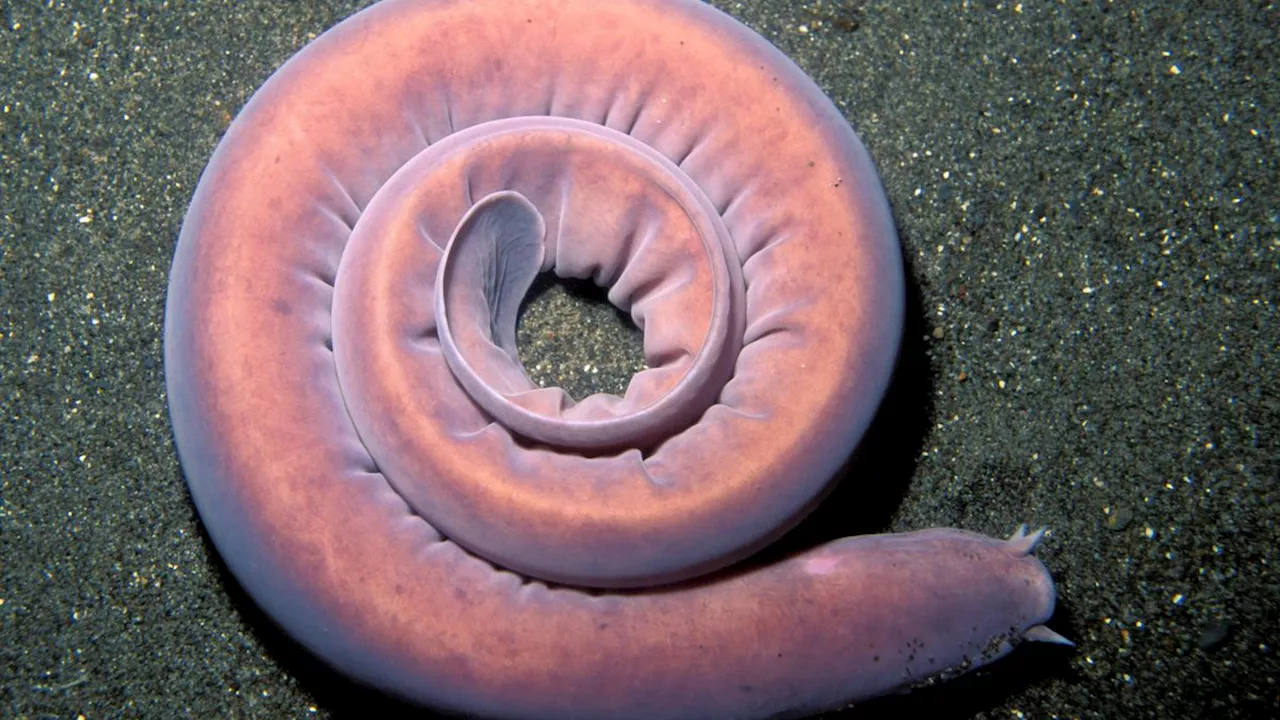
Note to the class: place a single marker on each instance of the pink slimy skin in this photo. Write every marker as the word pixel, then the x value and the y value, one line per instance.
pixel 383 478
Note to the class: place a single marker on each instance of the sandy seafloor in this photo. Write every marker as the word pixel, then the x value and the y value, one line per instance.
pixel 1087 199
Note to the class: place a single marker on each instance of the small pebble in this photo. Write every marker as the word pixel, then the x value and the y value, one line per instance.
pixel 1119 518
pixel 1213 634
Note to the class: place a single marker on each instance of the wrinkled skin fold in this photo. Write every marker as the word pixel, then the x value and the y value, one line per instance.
pixel 377 470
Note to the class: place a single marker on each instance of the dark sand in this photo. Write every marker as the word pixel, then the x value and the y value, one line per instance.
pixel 1088 202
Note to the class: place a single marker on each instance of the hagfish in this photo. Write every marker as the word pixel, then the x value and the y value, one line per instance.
pixel 377 469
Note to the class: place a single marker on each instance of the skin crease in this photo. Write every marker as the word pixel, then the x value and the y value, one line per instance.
pixel 344 392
